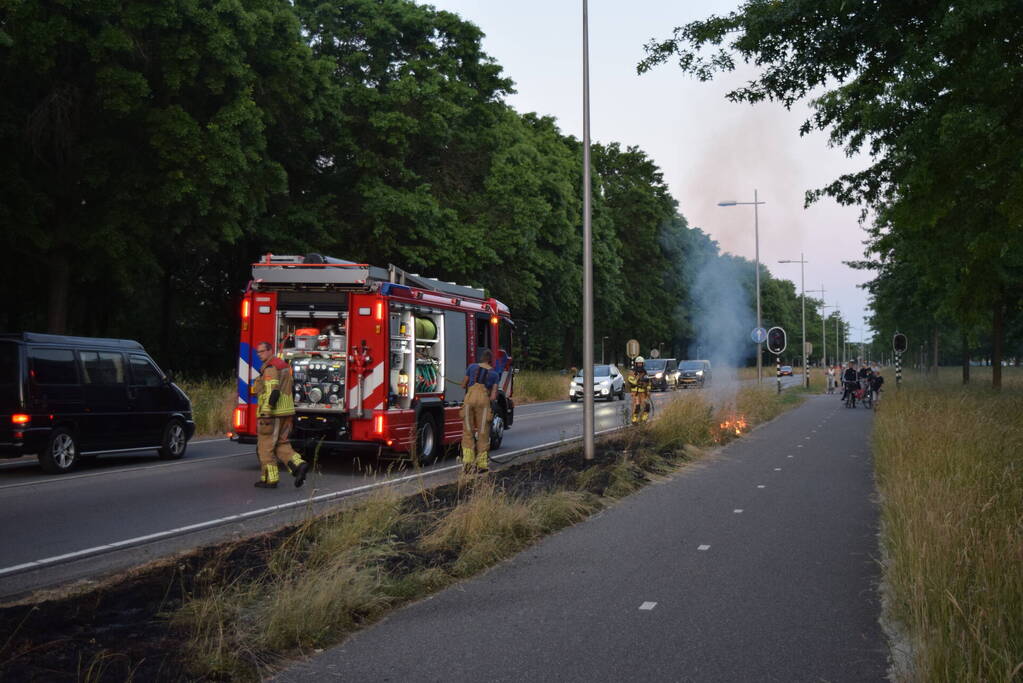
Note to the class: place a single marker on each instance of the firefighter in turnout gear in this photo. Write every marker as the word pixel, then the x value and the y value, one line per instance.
pixel 276 414
pixel 480 383
pixel 639 387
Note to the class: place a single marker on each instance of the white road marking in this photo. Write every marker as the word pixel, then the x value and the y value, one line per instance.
pixel 777 469
pixel 129 542
pixel 760 486
pixel 648 605
pixel 737 511
pixel 703 547
pixel 790 456
pixel 799 445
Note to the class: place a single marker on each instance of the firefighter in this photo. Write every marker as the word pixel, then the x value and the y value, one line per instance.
pixel 480 383
pixel 639 387
pixel 276 413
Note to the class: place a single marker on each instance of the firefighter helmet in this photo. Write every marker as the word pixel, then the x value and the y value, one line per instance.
pixel 638 360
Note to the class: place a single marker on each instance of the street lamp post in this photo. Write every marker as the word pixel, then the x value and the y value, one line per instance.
pixel 756 234
pixel 802 289
pixel 602 349
pixel 824 334
pixel 588 436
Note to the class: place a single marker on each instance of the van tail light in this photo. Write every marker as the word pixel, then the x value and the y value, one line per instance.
pixel 239 417
pixel 20 419
pixel 380 310
pixel 378 424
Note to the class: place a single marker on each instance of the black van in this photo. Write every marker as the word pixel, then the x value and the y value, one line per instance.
pixel 65 398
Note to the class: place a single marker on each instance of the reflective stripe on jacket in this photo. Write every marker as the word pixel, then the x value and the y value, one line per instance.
pixel 276 374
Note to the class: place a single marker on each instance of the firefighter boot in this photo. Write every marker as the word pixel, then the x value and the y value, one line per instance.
pixel 269 478
pixel 299 468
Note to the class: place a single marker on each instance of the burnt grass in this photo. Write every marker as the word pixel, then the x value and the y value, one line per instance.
pixel 121 630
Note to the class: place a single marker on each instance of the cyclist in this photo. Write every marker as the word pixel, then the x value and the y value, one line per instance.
pixel 850 382
pixel 876 382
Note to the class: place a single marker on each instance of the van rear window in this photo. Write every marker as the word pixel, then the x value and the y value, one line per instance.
pixel 53 366
pixel 8 363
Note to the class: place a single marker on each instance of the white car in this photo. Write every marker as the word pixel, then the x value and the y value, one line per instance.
pixel 608 382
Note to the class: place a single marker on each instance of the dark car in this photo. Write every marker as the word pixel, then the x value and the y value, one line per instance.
pixel 694 373
pixel 663 373
pixel 785 370
pixel 65 398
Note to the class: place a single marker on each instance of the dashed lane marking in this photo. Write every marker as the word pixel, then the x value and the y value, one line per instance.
pixel 648 605
pixel 777 469
pixel 737 511
pixel 761 486
pixel 703 547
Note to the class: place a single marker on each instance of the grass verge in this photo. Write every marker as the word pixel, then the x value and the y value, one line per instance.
pixel 950 476
pixel 533 386
pixel 213 401
pixel 239 611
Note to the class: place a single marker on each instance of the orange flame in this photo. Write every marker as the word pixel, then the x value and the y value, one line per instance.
pixel 737 425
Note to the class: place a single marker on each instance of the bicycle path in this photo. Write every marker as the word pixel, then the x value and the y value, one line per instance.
pixel 758 564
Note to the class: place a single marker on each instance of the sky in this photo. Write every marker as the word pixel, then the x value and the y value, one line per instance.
pixel 709 149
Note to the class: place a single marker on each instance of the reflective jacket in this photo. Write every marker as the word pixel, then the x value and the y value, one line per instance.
pixel 275 375
pixel 639 382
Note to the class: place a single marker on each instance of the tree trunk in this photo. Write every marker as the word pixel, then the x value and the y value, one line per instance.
pixel 998 339
pixel 60 276
pixel 966 359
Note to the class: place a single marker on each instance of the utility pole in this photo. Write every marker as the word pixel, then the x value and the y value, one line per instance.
pixel 802 288
pixel 588 445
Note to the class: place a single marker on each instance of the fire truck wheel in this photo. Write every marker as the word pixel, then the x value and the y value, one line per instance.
pixel 174 441
pixel 427 449
pixel 60 454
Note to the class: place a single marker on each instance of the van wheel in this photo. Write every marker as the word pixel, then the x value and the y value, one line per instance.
pixel 60 453
pixel 497 430
pixel 427 448
pixel 175 441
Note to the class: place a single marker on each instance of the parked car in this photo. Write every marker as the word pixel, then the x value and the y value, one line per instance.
pixel 663 373
pixel 786 370
pixel 694 373
pixel 608 382
pixel 66 398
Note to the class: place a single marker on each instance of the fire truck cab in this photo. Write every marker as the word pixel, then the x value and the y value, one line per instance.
pixel 378 354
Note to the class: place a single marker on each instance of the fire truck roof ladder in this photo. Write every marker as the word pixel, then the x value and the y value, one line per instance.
pixel 296 270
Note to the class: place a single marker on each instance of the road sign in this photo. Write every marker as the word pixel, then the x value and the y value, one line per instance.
pixel 776 340
pixel 809 348
pixel 632 348
pixel 899 342
pixel 654 353
pixel 759 335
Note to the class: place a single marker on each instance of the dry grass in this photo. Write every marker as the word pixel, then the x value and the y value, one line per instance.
pixel 533 386
pixel 213 401
pixel 339 572
pixel 950 473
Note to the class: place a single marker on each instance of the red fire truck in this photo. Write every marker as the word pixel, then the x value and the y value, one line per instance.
pixel 377 354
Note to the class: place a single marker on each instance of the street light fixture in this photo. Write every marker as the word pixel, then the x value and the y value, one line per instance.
pixel 756 233
pixel 802 288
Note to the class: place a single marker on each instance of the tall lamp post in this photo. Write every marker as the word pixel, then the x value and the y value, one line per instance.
pixel 824 334
pixel 602 349
pixel 588 446
pixel 802 289
pixel 756 234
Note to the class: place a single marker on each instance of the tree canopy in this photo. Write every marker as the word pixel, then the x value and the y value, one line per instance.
pixel 154 152
pixel 930 92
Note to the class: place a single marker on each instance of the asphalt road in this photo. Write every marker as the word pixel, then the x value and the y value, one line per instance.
pixel 757 565
pixel 122 510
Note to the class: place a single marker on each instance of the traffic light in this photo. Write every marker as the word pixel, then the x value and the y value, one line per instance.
pixel 776 340
pixel 899 342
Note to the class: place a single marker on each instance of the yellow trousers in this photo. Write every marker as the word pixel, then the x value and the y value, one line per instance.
pixel 272 445
pixel 476 427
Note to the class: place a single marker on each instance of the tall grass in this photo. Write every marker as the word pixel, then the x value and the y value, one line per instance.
pixel 213 401
pixel 949 466
pixel 532 386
